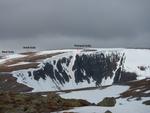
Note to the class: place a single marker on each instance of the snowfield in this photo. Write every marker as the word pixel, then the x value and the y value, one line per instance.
pixel 122 106
pixel 11 57
pixel 95 96
pixel 136 58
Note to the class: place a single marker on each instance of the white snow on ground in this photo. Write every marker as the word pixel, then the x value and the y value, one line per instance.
pixel 147 91
pixel 122 106
pixel 95 96
pixel 14 56
pixel 40 85
pixel 135 58
pixel 11 57
pixel 54 51
pixel 20 63
pixel 130 107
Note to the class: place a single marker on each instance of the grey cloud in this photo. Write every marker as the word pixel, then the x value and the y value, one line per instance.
pixel 92 20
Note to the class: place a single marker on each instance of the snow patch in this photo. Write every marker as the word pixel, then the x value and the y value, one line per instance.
pixel 11 57
pixel 95 96
pixel 20 63
pixel 122 106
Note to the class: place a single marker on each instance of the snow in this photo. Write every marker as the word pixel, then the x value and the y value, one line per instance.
pixel 14 56
pixel 122 106
pixel 137 90
pixel 20 63
pixel 44 95
pixel 95 96
pixel 135 58
pixel 148 91
pixel 11 57
pixel 39 86
pixel 54 51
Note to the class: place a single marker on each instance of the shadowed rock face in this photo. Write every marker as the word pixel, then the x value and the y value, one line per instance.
pixel 124 76
pixel 95 66
pixel 58 74
pixel 146 102
pixel 80 68
pixel 86 67
pixel 121 75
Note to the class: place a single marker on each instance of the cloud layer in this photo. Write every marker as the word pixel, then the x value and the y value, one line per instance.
pixel 61 23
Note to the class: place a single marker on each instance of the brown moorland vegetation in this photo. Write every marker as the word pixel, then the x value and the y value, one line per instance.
pixel 32 59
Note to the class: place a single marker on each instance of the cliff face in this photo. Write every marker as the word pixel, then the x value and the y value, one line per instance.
pixel 94 66
pixel 85 67
pixel 82 68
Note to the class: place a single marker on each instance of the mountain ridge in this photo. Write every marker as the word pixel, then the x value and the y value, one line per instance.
pixel 78 68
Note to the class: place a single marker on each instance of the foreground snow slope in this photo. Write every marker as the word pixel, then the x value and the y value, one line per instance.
pixel 78 68
pixel 122 106
pixel 96 95
pixel 131 104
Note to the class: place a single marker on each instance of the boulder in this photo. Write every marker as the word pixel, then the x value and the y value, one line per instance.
pixel 108 111
pixel 107 102
pixel 146 102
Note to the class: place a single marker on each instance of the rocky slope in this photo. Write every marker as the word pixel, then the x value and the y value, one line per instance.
pixel 34 103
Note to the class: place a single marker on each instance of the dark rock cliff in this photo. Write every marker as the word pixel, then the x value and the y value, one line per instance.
pixel 86 67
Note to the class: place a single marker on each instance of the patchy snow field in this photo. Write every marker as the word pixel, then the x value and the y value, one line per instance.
pixel 95 96
pixel 122 106
pixel 11 57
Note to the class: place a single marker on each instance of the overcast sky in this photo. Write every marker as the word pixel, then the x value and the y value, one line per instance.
pixel 53 24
